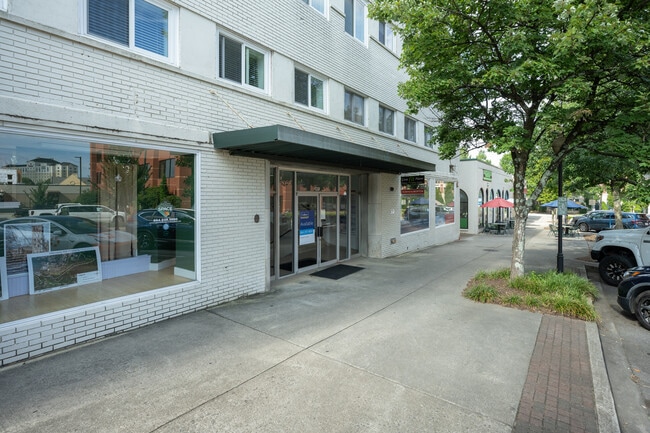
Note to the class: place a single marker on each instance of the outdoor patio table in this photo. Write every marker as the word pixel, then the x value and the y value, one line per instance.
pixel 501 228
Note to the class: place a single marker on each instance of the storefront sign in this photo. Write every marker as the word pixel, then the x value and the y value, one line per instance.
pixel 306 227
pixel 412 185
pixel 487 175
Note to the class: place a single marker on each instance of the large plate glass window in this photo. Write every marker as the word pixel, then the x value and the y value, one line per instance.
pixel 110 220
pixel 146 26
pixel 355 19
pixel 242 63
pixel 445 193
pixel 309 90
pixel 414 203
pixel 354 106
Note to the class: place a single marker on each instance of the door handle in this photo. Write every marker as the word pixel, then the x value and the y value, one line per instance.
pixel 320 232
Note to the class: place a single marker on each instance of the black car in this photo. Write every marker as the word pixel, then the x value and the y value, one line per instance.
pixel 173 231
pixel 634 294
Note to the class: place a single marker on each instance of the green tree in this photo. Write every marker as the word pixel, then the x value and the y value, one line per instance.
pixel 526 76
pixel 39 197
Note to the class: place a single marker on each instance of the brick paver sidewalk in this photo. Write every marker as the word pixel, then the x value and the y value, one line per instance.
pixel 558 395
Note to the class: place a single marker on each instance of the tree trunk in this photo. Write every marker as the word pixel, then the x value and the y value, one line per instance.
pixel 520 161
pixel 616 197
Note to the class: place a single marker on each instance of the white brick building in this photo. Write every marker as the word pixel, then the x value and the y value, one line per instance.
pixel 478 183
pixel 277 123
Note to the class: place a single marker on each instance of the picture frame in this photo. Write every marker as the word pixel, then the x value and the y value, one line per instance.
pixel 21 240
pixel 62 269
pixel 4 286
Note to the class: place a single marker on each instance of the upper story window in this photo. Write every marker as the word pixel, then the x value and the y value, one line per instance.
pixel 386 120
pixel 242 63
pixel 354 107
pixel 168 168
pixel 3 5
pixel 309 90
pixel 428 136
pixel 319 5
pixel 409 129
pixel 387 36
pixel 145 26
pixel 355 19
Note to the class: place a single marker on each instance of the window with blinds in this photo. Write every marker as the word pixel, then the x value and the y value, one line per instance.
pixel 241 63
pixel 309 90
pixel 142 25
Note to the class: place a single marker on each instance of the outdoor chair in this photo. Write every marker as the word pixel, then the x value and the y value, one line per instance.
pixel 552 230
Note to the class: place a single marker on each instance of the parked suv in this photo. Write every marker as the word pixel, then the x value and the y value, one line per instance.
pixel 604 219
pixel 99 214
pixel 634 294
pixel 619 250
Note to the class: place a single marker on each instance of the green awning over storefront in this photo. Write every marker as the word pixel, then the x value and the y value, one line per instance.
pixel 281 143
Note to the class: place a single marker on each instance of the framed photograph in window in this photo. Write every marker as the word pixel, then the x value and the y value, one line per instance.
pixel 62 269
pixel 23 239
pixel 4 288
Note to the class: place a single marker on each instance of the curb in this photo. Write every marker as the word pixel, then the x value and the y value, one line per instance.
pixel 605 408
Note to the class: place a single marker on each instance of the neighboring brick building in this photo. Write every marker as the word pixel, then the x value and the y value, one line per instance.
pixel 277 122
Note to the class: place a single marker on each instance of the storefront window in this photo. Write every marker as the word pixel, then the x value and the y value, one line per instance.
pixel 83 221
pixel 444 203
pixel 415 203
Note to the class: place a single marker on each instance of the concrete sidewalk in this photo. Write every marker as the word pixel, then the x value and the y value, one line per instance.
pixel 391 348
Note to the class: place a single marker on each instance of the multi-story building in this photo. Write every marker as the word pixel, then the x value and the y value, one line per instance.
pixel 243 142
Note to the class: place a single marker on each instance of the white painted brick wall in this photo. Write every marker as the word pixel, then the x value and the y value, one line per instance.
pixel 68 82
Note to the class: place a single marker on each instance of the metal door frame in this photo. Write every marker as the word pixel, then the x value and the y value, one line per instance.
pixel 318 227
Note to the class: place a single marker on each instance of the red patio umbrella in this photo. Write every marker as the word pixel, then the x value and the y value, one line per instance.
pixel 497 202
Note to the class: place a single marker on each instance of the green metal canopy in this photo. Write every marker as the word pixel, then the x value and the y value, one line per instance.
pixel 282 143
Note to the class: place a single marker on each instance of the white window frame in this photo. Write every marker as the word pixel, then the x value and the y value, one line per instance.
pixel 363 115
pixel 3 5
pixel 428 133
pixel 390 38
pixel 172 36
pixel 244 46
pixel 325 6
pixel 381 109
pixel 356 5
pixel 311 76
pixel 407 121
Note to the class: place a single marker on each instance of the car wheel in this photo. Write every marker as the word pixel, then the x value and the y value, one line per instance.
pixel 642 309
pixel 583 227
pixel 611 268
pixel 146 241
pixel 119 220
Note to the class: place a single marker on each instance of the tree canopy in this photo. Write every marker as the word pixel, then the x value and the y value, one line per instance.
pixel 524 76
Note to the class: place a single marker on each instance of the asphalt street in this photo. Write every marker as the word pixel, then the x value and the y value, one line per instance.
pixel 626 349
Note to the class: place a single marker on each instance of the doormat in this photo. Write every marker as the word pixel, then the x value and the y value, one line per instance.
pixel 336 272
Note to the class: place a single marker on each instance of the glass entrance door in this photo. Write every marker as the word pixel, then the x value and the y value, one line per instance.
pixel 318 228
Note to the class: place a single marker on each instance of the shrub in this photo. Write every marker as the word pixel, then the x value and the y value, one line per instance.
pixel 483 293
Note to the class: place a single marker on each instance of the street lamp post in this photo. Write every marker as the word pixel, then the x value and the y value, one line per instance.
pixel 79 176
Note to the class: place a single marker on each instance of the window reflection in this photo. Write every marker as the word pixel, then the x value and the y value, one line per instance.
pixel 132 205
pixel 444 203
pixel 415 203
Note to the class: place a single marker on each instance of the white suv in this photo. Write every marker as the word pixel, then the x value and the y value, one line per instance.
pixel 97 213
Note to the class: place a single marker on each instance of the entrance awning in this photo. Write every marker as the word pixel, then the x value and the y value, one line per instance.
pixel 282 143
